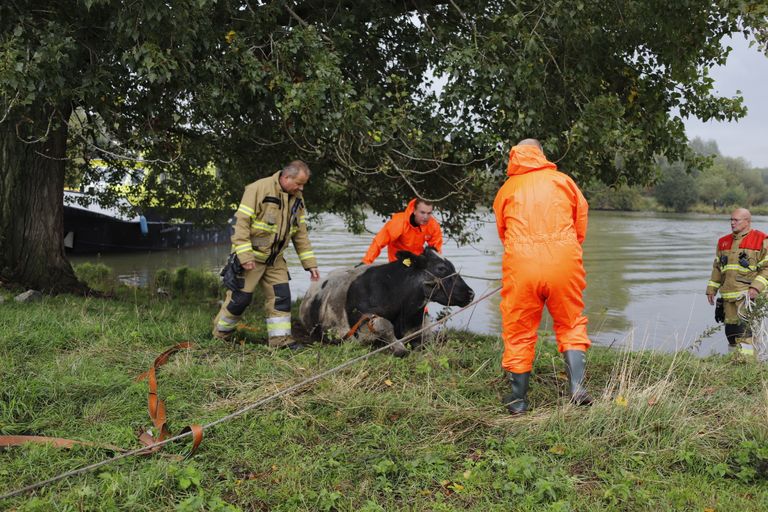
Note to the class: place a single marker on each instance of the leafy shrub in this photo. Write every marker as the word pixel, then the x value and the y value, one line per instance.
pixel 163 279
pixel 750 462
pixel 604 197
pixel 96 275
pixel 187 282
pixel 677 189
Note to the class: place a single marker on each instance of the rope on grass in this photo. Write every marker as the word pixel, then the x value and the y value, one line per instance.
pixel 283 392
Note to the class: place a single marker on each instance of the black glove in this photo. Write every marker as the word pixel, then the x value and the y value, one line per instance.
pixel 231 274
pixel 719 311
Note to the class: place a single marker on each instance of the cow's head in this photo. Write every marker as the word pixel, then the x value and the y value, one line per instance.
pixel 442 283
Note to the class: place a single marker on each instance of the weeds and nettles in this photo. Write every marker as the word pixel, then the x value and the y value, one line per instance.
pixel 427 432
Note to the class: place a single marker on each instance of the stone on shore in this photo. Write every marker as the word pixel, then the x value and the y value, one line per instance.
pixel 29 296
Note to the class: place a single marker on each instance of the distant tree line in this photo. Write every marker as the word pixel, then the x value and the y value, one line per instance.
pixel 683 187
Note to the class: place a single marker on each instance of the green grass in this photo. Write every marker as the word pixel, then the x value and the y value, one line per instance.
pixel 421 433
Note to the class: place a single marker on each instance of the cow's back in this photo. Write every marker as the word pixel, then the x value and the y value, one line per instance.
pixel 323 309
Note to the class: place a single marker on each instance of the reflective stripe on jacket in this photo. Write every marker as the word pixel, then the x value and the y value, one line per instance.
pixel 266 218
pixel 400 235
pixel 733 277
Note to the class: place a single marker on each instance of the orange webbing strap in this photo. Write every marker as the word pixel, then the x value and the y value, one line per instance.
pixel 156 406
pixel 245 327
pixel 58 442
pixel 367 317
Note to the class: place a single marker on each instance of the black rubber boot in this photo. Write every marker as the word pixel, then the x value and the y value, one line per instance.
pixel 575 364
pixel 515 401
pixel 735 331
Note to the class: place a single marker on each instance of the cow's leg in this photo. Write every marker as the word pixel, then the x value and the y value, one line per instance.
pixel 421 320
pixel 385 332
pixel 399 331
pixel 414 322
pixel 399 349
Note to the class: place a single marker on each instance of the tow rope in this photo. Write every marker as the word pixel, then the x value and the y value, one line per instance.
pixel 57 442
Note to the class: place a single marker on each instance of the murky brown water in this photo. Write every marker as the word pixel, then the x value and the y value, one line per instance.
pixel 646 274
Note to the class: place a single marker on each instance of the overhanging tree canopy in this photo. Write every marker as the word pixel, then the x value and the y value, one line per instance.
pixel 347 86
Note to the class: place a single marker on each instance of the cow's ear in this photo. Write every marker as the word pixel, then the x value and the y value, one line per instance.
pixel 404 255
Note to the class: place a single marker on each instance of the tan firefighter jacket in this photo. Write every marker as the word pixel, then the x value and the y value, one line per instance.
pixel 266 218
pixel 741 262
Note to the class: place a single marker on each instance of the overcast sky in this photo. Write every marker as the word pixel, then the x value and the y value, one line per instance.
pixel 746 71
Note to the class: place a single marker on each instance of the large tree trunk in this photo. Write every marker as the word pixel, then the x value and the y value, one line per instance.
pixel 32 153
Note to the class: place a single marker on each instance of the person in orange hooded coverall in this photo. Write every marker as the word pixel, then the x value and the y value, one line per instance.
pixel 541 216
pixel 409 230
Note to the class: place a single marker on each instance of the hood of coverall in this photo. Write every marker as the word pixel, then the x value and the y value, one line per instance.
pixel 525 159
pixel 409 209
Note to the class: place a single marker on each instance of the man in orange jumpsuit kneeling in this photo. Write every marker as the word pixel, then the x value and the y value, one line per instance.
pixel 541 216
pixel 409 230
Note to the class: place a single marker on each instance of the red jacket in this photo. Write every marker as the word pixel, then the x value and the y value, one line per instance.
pixel 400 235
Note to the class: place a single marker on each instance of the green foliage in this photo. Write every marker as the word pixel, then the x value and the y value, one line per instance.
pixel 677 188
pixel 706 148
pixel 729 182
pixel 202 503
pixel 735 195
pixel 187 282
pixel 96 275
pixel 163 279
pixel 749 463
pixel 187 477
pixel 712 185
pixel 351 88
pixel 604 197
pixel 715 184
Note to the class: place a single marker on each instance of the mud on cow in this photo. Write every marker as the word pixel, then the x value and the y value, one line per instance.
pixel 386 302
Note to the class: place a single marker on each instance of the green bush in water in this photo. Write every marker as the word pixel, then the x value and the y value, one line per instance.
pixel 97 276
pixel 187 282
pixel 163 279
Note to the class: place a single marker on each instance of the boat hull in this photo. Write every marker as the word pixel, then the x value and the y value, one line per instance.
pixel 87 232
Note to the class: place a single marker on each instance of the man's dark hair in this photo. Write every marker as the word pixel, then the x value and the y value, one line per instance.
pixel 424 202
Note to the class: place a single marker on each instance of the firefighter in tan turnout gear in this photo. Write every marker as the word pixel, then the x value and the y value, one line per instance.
pixel 271 212
pixel 741 265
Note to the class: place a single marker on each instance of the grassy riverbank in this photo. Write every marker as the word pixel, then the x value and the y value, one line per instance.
pixel 421 433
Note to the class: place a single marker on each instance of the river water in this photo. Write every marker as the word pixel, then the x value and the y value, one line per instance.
pixel 646 274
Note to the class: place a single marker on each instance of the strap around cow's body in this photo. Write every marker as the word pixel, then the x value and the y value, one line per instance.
pixel 366 317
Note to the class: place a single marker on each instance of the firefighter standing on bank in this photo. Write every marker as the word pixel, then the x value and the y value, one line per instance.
pixel 271 212
pixel 541 216
pixel 741 265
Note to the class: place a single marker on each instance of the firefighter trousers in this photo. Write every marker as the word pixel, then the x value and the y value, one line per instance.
pixel 736 329
pixel 273 280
